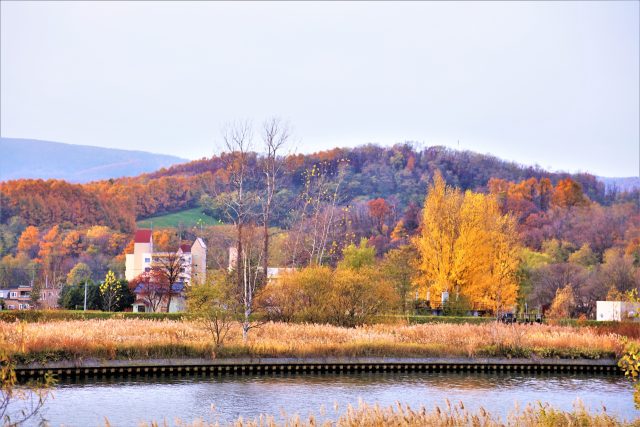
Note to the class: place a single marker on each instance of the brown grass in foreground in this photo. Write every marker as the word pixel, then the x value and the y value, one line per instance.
pixel 447 416
pixel 132 338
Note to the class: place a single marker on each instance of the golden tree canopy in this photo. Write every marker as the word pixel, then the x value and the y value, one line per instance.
pixel 468 247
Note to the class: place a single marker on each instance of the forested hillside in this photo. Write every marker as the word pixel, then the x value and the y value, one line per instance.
pixel 571 229
pixel 399 174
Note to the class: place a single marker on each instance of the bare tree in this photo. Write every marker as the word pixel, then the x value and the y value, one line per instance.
pixel 238 206
pixel 316 216
pixel 274 135
pixel 219 239
pixel 151 288
pixel 169 266
pixel 249 260
pixel 300 216
pixel 238 141
pixel 328 220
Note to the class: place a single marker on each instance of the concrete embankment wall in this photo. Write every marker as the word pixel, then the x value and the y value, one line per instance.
pixel 252 366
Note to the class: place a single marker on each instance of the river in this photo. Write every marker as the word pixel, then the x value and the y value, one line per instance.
pixel 126 401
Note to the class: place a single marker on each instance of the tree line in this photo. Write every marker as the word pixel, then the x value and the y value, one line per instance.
pixel 399 174
pixel 514 234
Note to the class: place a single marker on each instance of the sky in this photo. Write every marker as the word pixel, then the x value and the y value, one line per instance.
pixel 549 83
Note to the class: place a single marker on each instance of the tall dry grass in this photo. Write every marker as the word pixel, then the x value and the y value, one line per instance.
pixel 133 338
pixel 440 416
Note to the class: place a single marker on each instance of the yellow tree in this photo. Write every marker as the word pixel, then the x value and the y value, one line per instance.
pixel 110 290
pixel 471 248
pixel 500 259
pixel 359 291
pixel 563 304
pixel 357 294
pixel 437 240
pixel 467 247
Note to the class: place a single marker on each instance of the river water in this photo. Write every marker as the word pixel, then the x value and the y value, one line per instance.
pixel 127 401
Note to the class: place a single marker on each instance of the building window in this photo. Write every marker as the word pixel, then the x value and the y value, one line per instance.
pixel 147 260
pixel 12 307
pixel 13 295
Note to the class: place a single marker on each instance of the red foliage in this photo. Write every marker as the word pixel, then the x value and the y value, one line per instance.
pixel 379 210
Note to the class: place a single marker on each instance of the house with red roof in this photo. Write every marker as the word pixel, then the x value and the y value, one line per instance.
pixel 193 259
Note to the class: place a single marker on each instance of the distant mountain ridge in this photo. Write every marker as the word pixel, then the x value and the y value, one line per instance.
pixel 32 158
pixel 620 184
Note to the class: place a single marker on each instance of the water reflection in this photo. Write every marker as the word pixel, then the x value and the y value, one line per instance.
pixel 129 399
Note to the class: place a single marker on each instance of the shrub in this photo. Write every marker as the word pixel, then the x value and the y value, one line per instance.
pixel 60 315
pixel 630 364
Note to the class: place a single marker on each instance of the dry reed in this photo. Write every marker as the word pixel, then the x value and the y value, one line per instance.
pixel 132 338
pixel 449 415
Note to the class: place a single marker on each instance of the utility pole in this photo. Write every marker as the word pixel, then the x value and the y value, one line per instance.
pixel 85 295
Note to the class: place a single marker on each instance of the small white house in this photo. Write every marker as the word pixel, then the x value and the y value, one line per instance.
pixel 274 273
pixel 617 311
pixel 150 293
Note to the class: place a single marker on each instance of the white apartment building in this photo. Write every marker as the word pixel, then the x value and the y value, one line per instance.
pixel 194 258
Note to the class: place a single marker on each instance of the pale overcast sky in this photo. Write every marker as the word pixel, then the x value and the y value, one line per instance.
pixel 554 83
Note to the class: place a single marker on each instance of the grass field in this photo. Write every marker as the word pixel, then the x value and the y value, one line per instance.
pixel 142 339
pixel 186 218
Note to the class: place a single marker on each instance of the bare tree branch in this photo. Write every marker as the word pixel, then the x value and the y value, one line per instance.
pixel 274 136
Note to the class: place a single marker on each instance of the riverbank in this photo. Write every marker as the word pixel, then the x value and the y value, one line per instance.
pixel 289 365
pixel 134 339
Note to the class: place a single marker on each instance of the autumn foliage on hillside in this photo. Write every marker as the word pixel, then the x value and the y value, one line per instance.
pixel 115 204
pixel 516 234
pixel 400 174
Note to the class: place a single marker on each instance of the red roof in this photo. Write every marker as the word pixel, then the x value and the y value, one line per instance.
pixel 185 249
pixel 143 236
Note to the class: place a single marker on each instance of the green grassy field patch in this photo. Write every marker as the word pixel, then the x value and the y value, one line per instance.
pixel 186 218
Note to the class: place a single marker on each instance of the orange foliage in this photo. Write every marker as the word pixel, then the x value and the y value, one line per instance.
pixel 530 196
pixel 114 204
pixel 165 240
pixel 568 193
pixel 52 252
pixel 411 163
pixel 51 202
pixel 129 248
pixel 29 242
pixel 72 243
